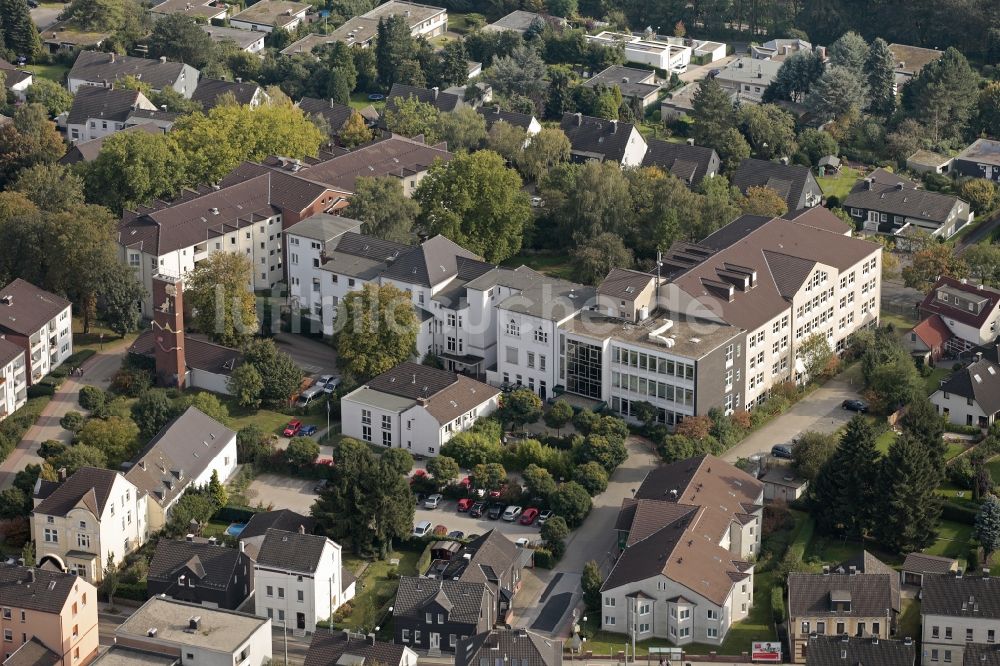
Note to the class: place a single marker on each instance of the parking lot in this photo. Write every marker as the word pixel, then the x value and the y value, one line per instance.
pixel 284 492
pixel 447 514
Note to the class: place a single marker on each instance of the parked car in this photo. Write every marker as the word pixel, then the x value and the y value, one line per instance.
pixel 433 501
pixel 496 494
pixel 464 504
pixel 457 534
pixel 782 451
pixel 523 542
pixel 308 431
pixel 329 383
pixel 511 513
pixel 310 394
pixel 529 515
pixel 855 406
pixel 422 528
pixel 495 511
pixel 477 509
pixel 544 516
pixel 292 429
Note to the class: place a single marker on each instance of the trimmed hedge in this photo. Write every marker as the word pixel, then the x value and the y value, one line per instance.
pixel 963 429
pixel 235 514
pixel 41 390
pixel 132 591
pixel 778 604
pixel 958 513
pixel 544 559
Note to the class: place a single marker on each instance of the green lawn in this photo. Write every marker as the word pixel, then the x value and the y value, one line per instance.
pixel 92 339
pixel 556 265
pixel 884 441
pixel 54 72
pixel 908 623
pixel 830 551
pixel 757 626
pixel 953 540
pixel 269 420
pixel 994 467
pixel 957 495
pixel 375 589
pixel 359 100
pixel 933 380
pixel 840 184
pixel 954 448
pixel 900 323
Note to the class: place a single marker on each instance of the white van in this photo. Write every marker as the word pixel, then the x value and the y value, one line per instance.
pixel 422 528
pixel 309 395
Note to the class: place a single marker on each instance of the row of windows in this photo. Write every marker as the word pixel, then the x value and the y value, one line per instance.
pixel 626 407
pixel 651 363
pixel 653 388
pixel 841 628
pixel 970 635
pixel 269 591
pixel 814 303
pixel 777 326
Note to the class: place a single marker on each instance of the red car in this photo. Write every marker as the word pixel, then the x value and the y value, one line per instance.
pixel 464 505
pixel 495 494
pixel 529 516
pixel 292 429
pixel 466 482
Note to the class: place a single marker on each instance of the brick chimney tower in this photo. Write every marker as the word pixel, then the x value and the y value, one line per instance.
pixel 168 330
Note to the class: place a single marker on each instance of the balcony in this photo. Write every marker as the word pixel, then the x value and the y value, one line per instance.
pixel 35 340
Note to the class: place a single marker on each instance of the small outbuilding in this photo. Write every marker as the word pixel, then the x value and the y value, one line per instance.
pixel 828 166
pixel 781 484
pixel 918 564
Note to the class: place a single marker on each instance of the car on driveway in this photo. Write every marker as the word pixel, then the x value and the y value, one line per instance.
pixel 422 528
pixel 308 431
pixel 329 383
pixel 457 534
pixel 495 511
pixel 544 516
pixel 496 494
pixel 433 501
pixel 511 513
pixel 464 504
pixel 477 510
pixel 855 406
pixel 529 515
pixel 782 451
pixel 523 542
pixel 292 429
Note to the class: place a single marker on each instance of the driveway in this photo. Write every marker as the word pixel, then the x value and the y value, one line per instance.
pixel 821 411
pixel 45 15
pixel 315 357
pixel 284 492
pixel 699 72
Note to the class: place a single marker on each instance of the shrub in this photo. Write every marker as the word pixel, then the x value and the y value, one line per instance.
pixel 41 390
pixel 958 513
pixel 72 421
pixel 131 382
pixel 544 558
pixel 778 604
pixel 91 398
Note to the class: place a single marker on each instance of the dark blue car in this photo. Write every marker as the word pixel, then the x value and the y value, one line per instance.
pixel 308 431
pixel 782 451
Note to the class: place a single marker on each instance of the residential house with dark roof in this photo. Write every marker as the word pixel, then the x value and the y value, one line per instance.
pixel 49 617
pixel 87 151
pixel 492 114
pixel 285 520
pixel 186 453
pixel 17 81
pixel 970 396
pixel 211 92
pixel 851 600
pixel 603 140
pixel 40 323
pixel 98 112
pixel 686 161
pixel 793 183
pixel 956 611
pixel 918 565
pixel 245 40
pixel 442 101
pixel 78 523
pixel 202 11
pixel 854 651
pixel 686 544
pixel 299 579
pixel 970 311
pixel 980 160
pixel 415 407
pixel 909 61
pixel 335 114
pixel 424 21
pixel 979 654
pixel 201 571
pixel 13 378
pixel 95 68
pixel 509 646
pixel 434 615
pixel 270 15
pixel 637 86
pixel 887 203
pixel 345 647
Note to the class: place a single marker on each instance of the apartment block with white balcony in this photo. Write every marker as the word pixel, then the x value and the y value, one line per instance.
pixel 13 378
pixel 39 322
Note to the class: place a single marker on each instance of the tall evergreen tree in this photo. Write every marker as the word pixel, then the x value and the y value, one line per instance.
pixel 393 46
pixel 908 507
pixel 712 112
pixel 923 423
pixel 943 95
pixel 844 490
pixel 988 527
pixel 19 33
pixel 850 51
pixel 879 70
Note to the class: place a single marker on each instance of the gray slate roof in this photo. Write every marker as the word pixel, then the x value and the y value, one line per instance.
pixel 324 227
pixel 494 114
pixel 624 283
pixel 596 137
pixel 889 193
pixel 968 596
pixel 689 163
pixel 809 594
pixel 8 352
pixel 509 646
pixel 630 81
pixel 788 180
pixel 213 563
pixel 327 649
pixel 33 653
pixel 430 263
pixel 291 551
pixel 830 651
pixel 465 598
pixel 209 91
pixel 90 485
pixel 439 99
pixel 35 589
pixel 979 381
pixel 98 66
pixel 198 354
pixel 928 564
pixel 25 308
pixel 489 556
pixel 282 519
pixel 980 654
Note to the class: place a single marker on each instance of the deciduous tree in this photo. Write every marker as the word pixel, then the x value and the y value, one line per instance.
pixel 931 263
pixel 520 407
pixel 218 290
pixel 245 385
pixel 55 98
pixel 51 187
pixel 411 117
pixel 595 257
pixel 983 261
pixel 592 476
pixel 769 129
pixel 571 502
pixel 811 452
pixel 355 131
pixel 444 469
pixel 546 149
pixel 302 451
pixel 383 207
pixel 376 330
pixel 539 481
pixel 462 129
pixel 151 412
pixel 120 295
pixel 81 455
pixel 280 374
pixel 762 200
pixel 179 38
pixel 558 415
pixel 134 168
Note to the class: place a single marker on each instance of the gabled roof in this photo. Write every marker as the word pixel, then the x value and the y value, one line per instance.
pixel 854 651
pixel 889 193
pixel 929 564
pixel 430 263
pixel 933 332
pixel 788 180
pixel 596 138
pixel 198 354
pixel 965 596
pixel 9 352
pixel 87 151
pixel 209 91
pixel 327 649
pixel 25 308
pixel 440 100
pixel 624 283
pixel 99 67
pixel 281 519
pixel 324 227
pixel 689 163
pixel 33 653
pixel 445 395
pixel 865 562
pixel 965 292
pixel 12 75
pixel 214 564
pixel 35 589
pixel 204 9
pixel 483 559
pixel 336 114
pixel 88 485
pixel 980 654
pixel 415 593
pixel 291 551
pixel 182 450
pixel 493 114
pixel 979 381
pixel 517 647
pixel 870 595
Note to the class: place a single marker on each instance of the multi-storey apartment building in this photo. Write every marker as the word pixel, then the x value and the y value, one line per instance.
pixel 79 522
pixel 958 611
pixel 49 617
pixel 39 322
pixel 13 378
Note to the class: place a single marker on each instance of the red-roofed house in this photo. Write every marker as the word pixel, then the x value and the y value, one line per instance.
pixel 971 312
pixel 928 338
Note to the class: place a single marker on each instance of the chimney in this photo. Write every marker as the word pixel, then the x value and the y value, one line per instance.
pixel 958 573
pixel 579 118
pixel 242 546
pixel 826 570
pixel 614 126
pixel 62 474
pixel 212 541
pixel 189 537
pixel 435 90
pixel 371 639
pixel 194 623
pixel 853 570
pixel 690 142
pixel 168 322
pixel 784 160
pixel 302 529
pixel 151 632
pixel 31 575
pixel 624 79
pixel 163 107
pixel 986 572
pixel 239 79
pixel 907 641
pixel 332 103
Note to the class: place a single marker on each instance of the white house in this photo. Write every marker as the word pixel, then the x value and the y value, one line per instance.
pixel 194 634
pixel 970 311
pixel 687 539
pixel 971 396
pixel 958 611
pixel 603 140
pixel 299 580
pixel 79 522
pixel 13 378
pixel 661 54
pixel 748 78
pixel 94 68
pixel 98 112
pixel 184 454
pixel 39 322
pixel 415 407
pixel 423 20
pixel 270 15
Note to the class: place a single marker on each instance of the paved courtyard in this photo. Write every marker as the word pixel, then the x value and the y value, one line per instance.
pixel 284 492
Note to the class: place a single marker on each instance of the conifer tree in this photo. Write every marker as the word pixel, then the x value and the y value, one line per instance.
pixel 844 490
pixel 908 509
pixel 879 69
pixel 988 527
pixel 924 424
pixel 19 33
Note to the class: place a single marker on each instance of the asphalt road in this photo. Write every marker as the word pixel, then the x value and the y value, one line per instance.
pixel 315 357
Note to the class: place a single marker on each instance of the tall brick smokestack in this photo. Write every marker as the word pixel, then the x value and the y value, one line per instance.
pixel 168 329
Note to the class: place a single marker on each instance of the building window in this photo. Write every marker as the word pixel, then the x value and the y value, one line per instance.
pixel 300 595
pixel 51 535
pixel 968 635
pixel 712 614
pixel 609 601
pixel 83 540
pixel 8 635
pixel 366 417
pixel 947 656
pixel 386 438
pixel 406 635
pixel 270 591
pixel 712 632
pixel 609 620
